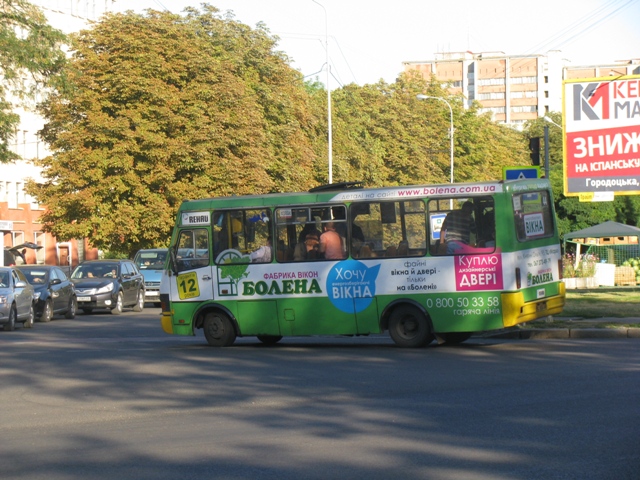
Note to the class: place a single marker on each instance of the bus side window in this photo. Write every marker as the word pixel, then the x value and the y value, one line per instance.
pixel 192 249
pixel 388 229
pixel 468 226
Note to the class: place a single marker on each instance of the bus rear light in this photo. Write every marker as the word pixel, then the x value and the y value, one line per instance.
pixel 518 280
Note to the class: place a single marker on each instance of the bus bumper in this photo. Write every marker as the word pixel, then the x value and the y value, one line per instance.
pixel 167 324
pixel 515 310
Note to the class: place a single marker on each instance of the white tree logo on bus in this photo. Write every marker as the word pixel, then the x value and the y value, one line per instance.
pixel 232 268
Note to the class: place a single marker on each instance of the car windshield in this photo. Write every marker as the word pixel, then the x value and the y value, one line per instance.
pixel 102 270
pixel 148 260
pixel 4 279
pixel 35 276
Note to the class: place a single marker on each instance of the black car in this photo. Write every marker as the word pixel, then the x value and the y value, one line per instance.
pixel 108 284
pixel 54 292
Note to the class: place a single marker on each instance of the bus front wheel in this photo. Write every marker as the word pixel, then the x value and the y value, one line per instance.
pixel 218 330
pixel 409 327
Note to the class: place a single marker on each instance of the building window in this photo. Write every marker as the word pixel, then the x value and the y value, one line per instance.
pixel 491 96
pixel 490 81
pixel 525 94
pixel 493 110
pixel 18 238
pixel 12 195
pixel 38 239
pixel 524 109
pixel 520 80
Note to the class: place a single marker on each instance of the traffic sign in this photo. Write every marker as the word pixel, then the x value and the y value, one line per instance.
pixel 519 173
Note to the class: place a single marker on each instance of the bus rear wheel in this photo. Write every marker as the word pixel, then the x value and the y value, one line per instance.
pixel 269 339
pixel 409 327
pixel 218 330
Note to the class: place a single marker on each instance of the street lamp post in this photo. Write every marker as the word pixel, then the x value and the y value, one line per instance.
pixel 546 143
pixel 424 97
pixel 329 125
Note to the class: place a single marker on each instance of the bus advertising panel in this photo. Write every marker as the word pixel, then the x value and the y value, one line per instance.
pixel 602 137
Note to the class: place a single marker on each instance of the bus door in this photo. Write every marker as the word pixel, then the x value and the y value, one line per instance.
pixel 193 280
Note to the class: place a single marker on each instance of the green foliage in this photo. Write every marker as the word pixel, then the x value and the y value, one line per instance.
pixel 30 54
pixel 160 108
pixel 384 135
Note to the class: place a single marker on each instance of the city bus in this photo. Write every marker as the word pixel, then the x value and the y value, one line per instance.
pixel 345 260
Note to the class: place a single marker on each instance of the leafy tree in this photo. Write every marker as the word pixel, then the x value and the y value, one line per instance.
pixel 384 135
pixel 30 53
pixel 163 107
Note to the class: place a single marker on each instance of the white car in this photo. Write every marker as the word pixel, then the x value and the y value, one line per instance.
pixel 16 299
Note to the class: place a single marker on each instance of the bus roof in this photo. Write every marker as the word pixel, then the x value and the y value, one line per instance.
pixel 341 195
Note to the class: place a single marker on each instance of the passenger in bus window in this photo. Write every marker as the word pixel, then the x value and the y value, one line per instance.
pixel 487 234
pixel 307 250
pixel 331 243
pixel 457 227
pixel 262 254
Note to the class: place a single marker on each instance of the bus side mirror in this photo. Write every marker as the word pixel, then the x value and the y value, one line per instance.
pixel 173 261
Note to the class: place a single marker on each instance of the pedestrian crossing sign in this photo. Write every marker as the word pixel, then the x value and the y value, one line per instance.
pixel 519 173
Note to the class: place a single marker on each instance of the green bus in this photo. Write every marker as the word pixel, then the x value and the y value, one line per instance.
pixel 425 263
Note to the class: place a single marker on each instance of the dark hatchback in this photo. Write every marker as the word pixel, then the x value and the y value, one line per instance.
pixel 54 292
pixel 108 284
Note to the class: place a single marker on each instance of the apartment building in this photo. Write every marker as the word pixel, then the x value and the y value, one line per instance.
pixel 617 69
pixel 513 88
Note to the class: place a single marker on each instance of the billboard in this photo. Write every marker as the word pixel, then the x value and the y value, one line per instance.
pixel 601 137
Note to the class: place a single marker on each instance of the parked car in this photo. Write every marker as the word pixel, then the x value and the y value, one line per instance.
pixel 108 284
pixel 54 292
pixel 151 262
pixel 16 299
pixel 11 254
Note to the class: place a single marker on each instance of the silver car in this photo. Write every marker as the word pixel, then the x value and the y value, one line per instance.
pixel 16 299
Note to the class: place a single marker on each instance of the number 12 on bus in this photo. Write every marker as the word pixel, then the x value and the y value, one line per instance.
pixel 419 262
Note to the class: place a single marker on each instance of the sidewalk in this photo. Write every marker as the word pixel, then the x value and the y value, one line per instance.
pixel 606 327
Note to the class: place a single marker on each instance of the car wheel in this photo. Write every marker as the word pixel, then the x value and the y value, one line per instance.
pixel 73 307
pixel 117 310
pixel 28 323
pixel 139 306
pixel 10 326
pixel 47 312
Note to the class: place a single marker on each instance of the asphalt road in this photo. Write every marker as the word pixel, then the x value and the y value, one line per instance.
pixel 108 397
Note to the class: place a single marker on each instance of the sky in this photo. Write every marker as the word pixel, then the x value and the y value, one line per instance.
pixel 369 39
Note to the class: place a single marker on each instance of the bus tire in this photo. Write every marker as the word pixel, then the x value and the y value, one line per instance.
pixel 218 330
pixel 269 339
pixel 409 327
pixel 454 338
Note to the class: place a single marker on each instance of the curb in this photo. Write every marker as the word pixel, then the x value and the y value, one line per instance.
pixel 564 333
